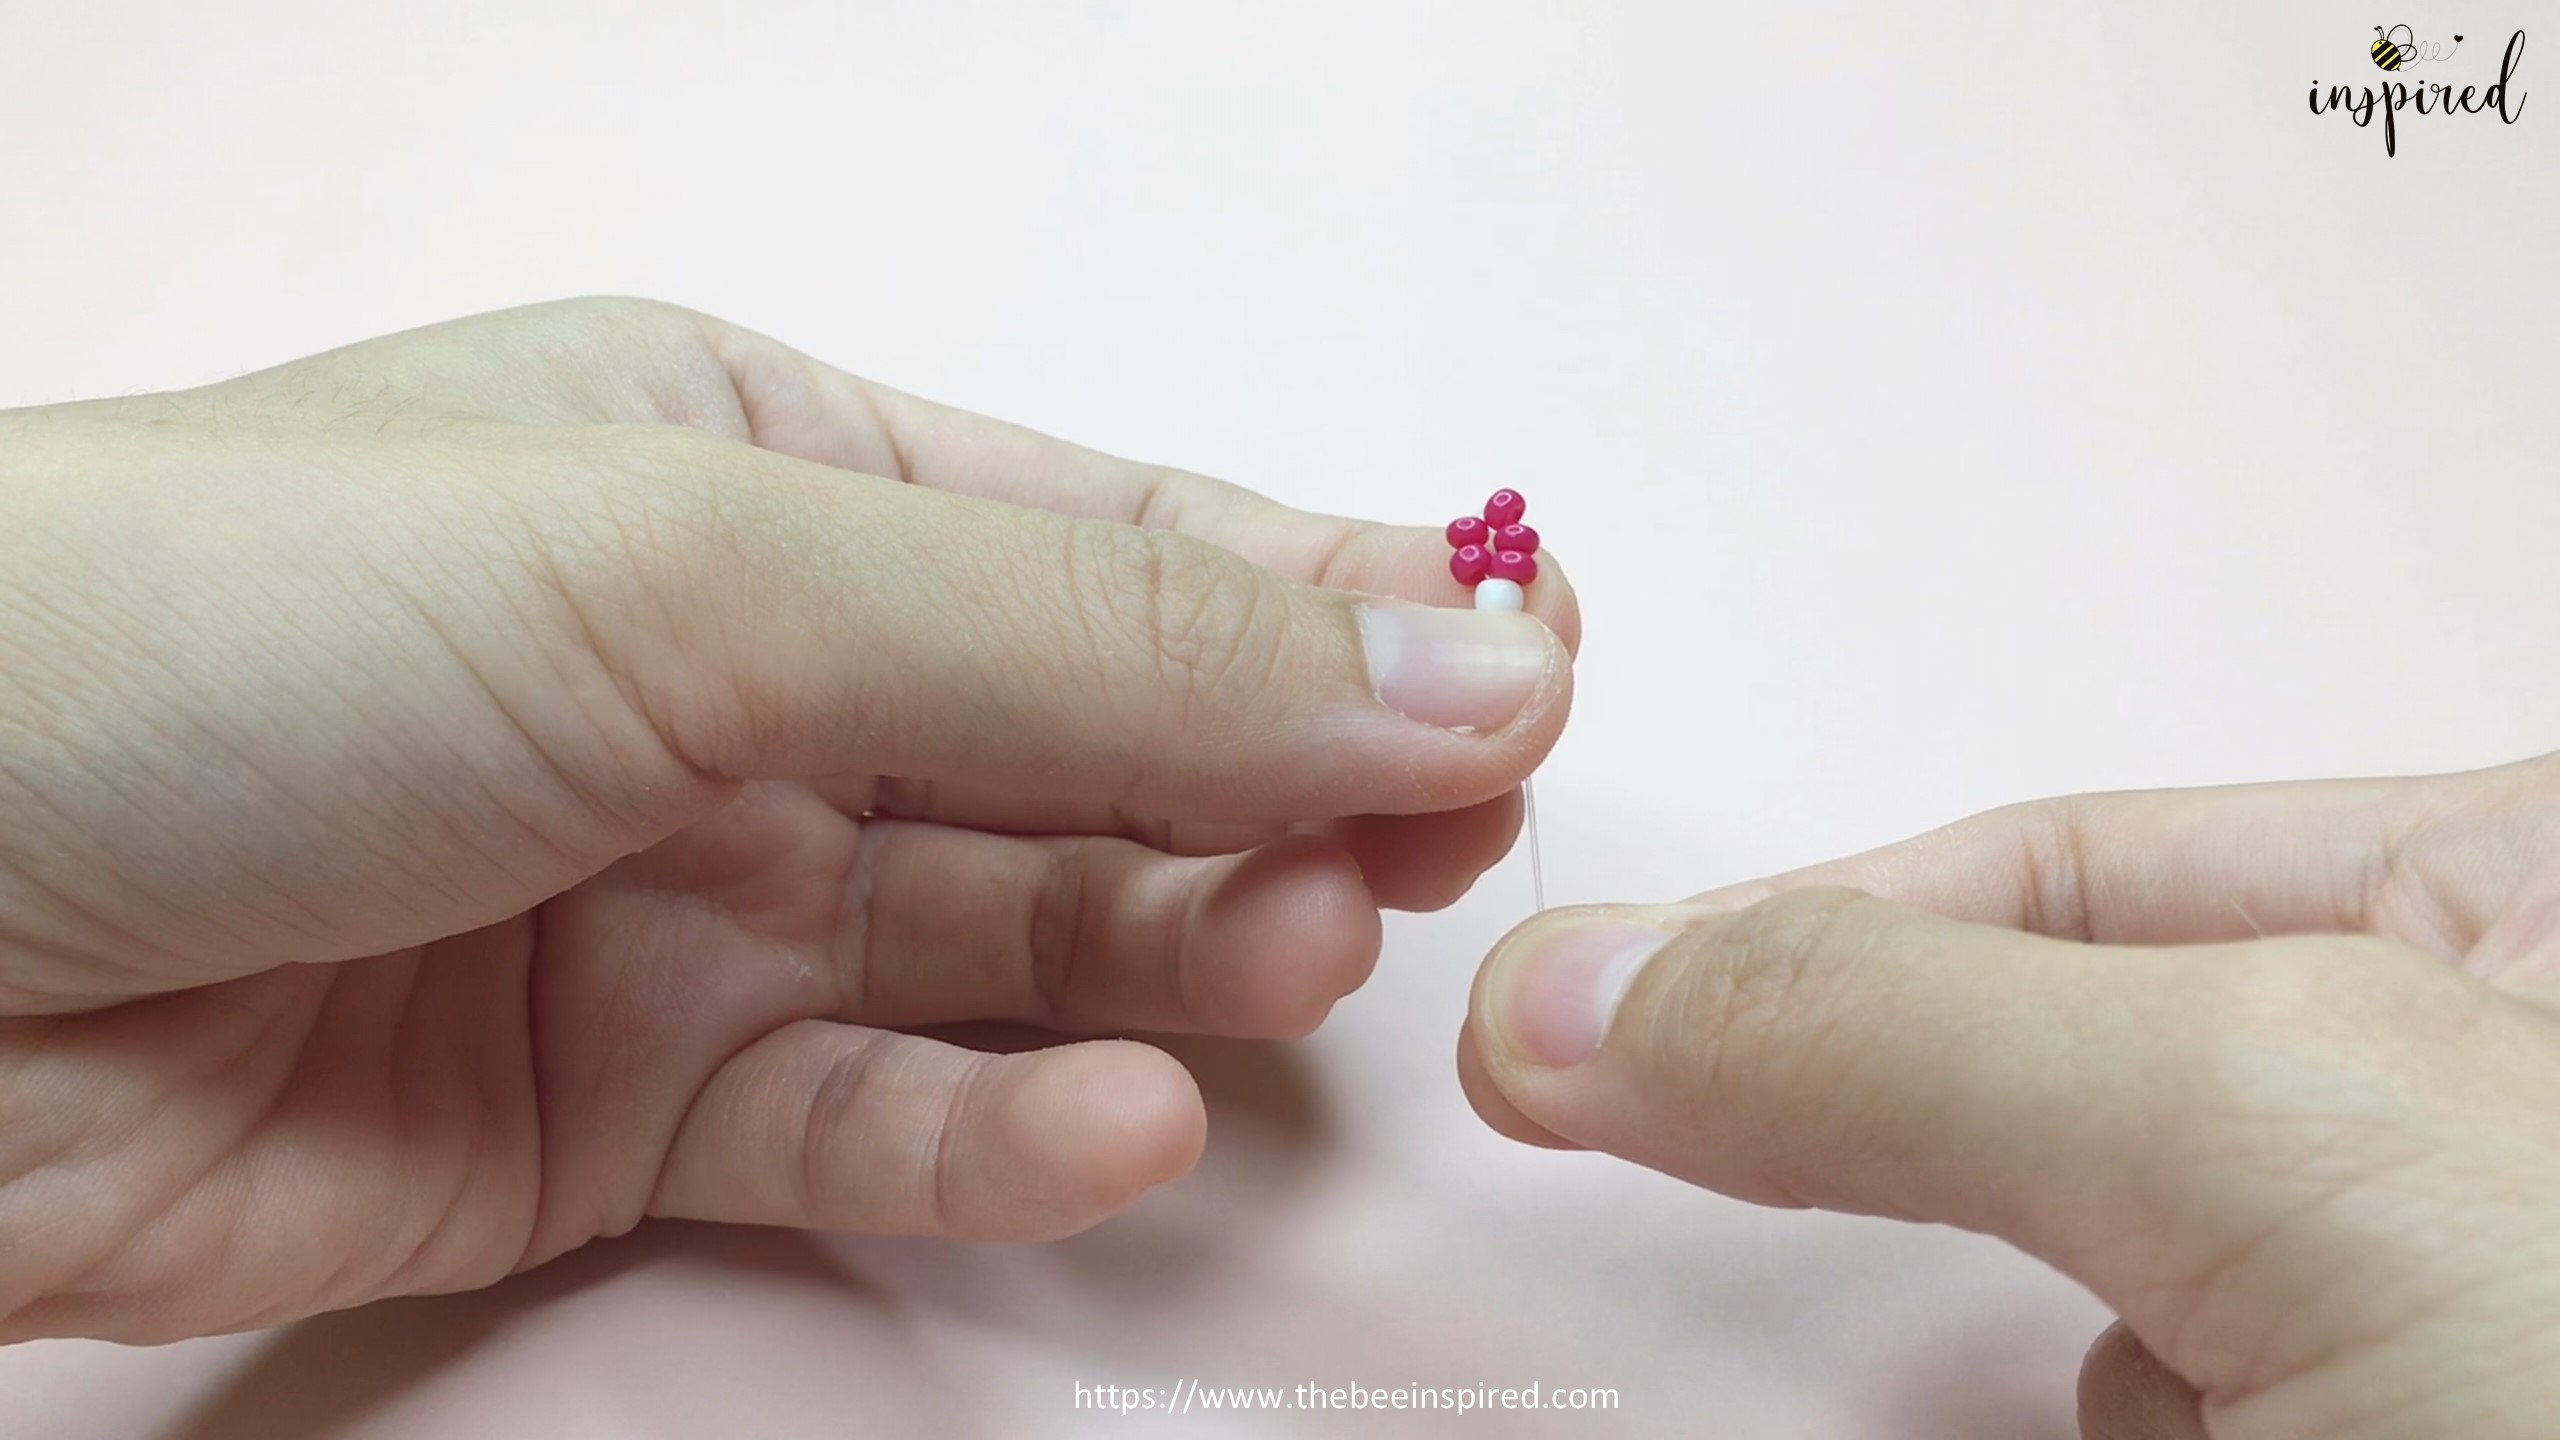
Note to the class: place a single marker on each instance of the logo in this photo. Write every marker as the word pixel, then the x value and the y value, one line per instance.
pixel 2397 50
pixel 2398 46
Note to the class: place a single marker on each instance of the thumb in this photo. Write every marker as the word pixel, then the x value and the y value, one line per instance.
pixel 804 621
pixel 1826 1049
pixel 2144 1119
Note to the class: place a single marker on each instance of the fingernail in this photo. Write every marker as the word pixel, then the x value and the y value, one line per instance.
pixel 1553 1000
pixel 1459 669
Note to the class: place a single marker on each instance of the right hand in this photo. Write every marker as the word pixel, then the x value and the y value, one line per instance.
pixel 2318 1174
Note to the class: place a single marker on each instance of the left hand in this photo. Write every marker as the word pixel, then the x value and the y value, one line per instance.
pixel 466 792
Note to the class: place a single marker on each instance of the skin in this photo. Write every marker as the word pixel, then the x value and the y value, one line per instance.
pixel 2273 1070
pixel 462 794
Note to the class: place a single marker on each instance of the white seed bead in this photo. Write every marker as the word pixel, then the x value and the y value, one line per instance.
pixel 1492 594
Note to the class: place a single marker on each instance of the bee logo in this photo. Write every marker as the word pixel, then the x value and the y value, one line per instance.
pixel 2399 46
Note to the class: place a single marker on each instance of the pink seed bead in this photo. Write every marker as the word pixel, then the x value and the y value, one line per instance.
pixel 1469 563
pixel 1516 565
pixel 1505 508
pixel 1468 530
pixel 1516 537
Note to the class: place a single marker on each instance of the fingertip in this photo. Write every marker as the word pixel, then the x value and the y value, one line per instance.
pixel 1427 862
pixel 2125 1393
pixel 1286 930
pixel 1492 1106
pixel 1107 1121
pixel 1550 991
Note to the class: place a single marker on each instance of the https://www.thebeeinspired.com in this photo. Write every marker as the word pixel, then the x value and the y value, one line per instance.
pixel 1192 1397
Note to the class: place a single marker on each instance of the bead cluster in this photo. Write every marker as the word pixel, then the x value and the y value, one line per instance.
pixel 1494 552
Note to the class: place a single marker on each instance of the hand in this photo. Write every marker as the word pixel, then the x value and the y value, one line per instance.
pixel 464 793
pixel 2315 1174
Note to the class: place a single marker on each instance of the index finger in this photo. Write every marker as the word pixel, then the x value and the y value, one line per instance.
pixel 2168 867
pixel 803 407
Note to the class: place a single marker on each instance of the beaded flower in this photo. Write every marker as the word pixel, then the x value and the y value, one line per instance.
pixel 1494 552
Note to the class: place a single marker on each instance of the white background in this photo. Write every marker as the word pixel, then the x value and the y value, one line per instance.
pixel 1937 406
